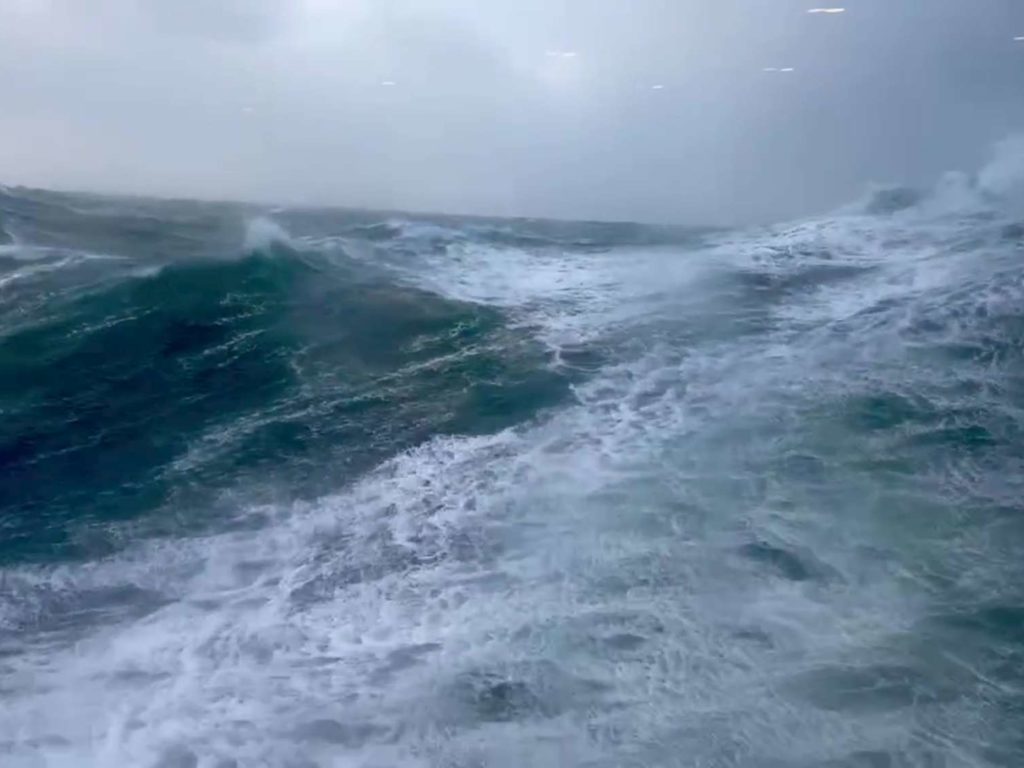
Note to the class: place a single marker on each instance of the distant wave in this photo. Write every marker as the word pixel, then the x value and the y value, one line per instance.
pixel 997 186
pixel 522 233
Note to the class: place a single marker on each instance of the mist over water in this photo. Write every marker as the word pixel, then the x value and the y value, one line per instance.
pixel 703 112
pixel 308 487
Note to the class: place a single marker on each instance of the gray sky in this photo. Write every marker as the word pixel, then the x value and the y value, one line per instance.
pixel 286 101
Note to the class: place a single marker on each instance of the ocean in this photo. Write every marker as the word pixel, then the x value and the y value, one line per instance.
pixel 308 488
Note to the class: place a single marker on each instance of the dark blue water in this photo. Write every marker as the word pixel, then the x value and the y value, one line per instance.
pixel 332 488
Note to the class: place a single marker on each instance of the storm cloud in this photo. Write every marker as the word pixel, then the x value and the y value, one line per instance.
pixel 709 111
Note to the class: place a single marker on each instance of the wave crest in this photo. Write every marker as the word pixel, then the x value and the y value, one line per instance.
pixel 998 187
pixel 263 234
pixel 1003 177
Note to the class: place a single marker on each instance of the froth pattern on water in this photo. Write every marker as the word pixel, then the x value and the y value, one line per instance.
pixel 783 543
pixel 466 599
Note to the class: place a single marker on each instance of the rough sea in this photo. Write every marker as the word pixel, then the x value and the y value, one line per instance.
pixel 290 488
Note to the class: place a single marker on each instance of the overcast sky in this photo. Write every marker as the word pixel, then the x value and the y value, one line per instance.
pixel 512 107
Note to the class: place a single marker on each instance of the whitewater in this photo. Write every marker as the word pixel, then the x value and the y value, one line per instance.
pixel 315 488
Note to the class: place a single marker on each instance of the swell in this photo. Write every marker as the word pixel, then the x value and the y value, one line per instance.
pixel 145 397
pixel 832 557
pixel 790 500
pixel 438 232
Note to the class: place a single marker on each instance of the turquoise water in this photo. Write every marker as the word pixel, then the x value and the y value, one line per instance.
pixel 326 488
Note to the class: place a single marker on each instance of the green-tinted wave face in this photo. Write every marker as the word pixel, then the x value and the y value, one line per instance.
pixel 318 488
pixel 141 393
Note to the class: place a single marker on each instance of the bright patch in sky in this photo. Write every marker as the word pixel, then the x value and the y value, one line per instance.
pixel 827 10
